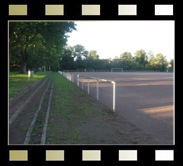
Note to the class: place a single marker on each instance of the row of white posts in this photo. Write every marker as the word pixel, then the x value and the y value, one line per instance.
pixel 70 76
pixel 67 75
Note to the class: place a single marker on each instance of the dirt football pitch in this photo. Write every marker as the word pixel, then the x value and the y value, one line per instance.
pixel 145 99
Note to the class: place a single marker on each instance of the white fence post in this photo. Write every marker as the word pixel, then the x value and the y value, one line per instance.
pixel 114 93
pixel 82 82
pixel 72 77
pixel 77 79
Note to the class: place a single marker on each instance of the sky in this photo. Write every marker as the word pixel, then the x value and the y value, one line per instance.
pixel 112 38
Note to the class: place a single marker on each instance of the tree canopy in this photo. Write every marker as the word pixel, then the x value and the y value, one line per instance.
pixel 38 43
pixel 81 58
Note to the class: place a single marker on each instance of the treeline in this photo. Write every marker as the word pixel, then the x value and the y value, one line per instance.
pixel 36 44
pixel 77 57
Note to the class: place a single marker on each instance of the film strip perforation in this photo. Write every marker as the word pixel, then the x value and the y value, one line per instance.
pixel 97 11
pixel 89 9
pixel 92 155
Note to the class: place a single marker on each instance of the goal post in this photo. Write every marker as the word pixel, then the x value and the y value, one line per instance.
pixel 116 69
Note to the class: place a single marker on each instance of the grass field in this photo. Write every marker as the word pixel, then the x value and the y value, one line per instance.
pixel 18 82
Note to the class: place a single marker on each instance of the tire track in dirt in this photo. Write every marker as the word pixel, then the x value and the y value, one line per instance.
pixel 28 135
pixel 20 126
pixel 16 108
pixel 43 138
pixel 39 132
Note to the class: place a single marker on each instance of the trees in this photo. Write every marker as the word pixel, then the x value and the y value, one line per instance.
pixel 79 52
pixel 171 65
pixel 34 44
pixel 77 57
pixel 91 59
pixel 67 61
pixel 126 56
pixel 21 37
pixel 38 43
pixel 93 55
pixel 82 57
pixel 141 58
pixel 161 62
pixel 152 61
pixel 127 61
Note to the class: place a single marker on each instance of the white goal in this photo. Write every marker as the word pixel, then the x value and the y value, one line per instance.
pixel 116 69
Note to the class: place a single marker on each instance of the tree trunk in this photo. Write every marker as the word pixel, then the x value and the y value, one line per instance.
pixel 24 60
pixel 44 68
pixel 23 67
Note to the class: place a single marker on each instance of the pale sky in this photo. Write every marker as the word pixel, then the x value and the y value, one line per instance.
pixel 112 38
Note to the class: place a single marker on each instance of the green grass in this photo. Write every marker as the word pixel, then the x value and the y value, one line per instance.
pixel 68 109
pixel 18 82
pixel 64 102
